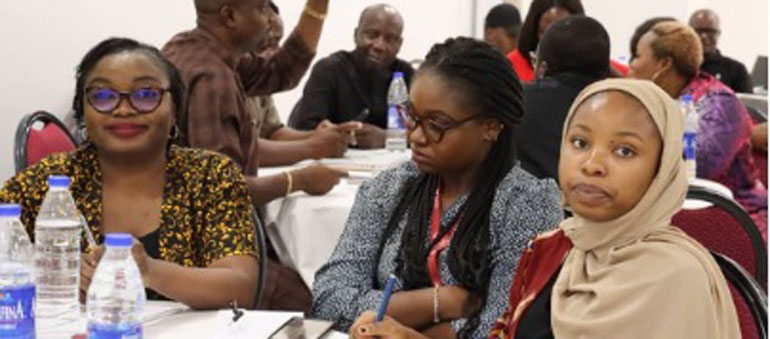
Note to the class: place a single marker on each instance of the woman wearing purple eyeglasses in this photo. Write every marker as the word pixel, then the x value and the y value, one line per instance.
pixel 189 209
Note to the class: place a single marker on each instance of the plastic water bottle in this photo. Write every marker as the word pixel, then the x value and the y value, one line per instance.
pixel 116 296
pixel 57 262
pixel 398 96
pixel 689 141
pixel 17 289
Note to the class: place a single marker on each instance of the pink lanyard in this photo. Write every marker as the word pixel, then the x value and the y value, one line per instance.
pixel 435 224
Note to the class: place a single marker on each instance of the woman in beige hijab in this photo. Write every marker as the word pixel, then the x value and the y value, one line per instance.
pixel 618 268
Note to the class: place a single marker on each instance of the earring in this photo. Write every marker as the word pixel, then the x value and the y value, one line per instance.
pixel 655 76
pixel 174 134
pixel 83 134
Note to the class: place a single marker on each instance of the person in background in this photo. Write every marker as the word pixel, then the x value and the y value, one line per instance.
pixel 501 27
pixel 670 54
pixel 574 53
pixel 344 85
pixel 221 70
pixel 541 14
pixel 128 177
pixel 451 223
pixel 729 71
pixel 644 27
pixel 281 145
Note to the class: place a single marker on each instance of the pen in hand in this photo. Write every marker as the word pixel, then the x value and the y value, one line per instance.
pixel 385 298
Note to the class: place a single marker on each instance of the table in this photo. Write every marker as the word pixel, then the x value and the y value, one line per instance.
pixel 305 229
pixel 188 324
pixel 168 319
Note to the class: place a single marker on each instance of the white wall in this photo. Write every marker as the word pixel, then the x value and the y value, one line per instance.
pixel 45 39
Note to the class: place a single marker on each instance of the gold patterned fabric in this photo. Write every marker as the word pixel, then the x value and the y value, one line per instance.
pixel 206 210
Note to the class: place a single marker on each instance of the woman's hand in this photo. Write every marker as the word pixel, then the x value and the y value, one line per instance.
pixel 455 302
pixel 88 262
pixel 143 261
pixel 366 327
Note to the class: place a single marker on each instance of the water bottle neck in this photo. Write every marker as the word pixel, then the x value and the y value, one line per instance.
pixel 117 253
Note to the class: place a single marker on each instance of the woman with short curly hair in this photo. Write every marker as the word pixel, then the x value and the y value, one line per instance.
pixel 670 54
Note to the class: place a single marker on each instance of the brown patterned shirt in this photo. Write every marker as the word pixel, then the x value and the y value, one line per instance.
pixel 217 113
pixel 206 210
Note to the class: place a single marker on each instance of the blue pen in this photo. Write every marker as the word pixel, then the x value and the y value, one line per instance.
pixel 386 297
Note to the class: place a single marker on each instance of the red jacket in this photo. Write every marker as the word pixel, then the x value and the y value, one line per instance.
pixel 539 262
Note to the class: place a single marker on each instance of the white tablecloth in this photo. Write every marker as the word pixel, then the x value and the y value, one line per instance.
pixel 305 229
pixel 165 319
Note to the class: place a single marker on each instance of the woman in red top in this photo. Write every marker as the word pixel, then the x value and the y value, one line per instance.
pixel 541 14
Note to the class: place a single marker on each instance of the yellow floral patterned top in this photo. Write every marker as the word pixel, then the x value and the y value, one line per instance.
pixel 206 211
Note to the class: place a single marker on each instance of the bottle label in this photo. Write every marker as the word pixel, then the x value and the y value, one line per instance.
pixel 690 145
pixel 114 331
pixel 17 313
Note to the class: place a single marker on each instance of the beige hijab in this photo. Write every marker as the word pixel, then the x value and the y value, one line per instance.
pixel 637 276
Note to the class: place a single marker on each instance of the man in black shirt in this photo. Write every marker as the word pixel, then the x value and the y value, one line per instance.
pixel 574 53
pixel 345 84
pixel 729 71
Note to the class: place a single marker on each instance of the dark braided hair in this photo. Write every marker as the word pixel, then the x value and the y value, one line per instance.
pixel 484 79
pixel 114 46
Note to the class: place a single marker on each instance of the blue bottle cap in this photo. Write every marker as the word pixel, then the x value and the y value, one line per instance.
pixel 118 240
pixel 398 74
pixel 58 181
pixel 686 98
pixel 10 210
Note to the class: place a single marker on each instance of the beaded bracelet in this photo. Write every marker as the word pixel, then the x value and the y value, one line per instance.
pixel 436 317
pixel 289 183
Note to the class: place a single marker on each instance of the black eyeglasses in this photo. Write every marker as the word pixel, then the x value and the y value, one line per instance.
pixel 143 100
pixel 433 129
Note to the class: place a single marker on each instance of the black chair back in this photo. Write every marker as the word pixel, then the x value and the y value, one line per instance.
pixel 261 237
pixel 750 300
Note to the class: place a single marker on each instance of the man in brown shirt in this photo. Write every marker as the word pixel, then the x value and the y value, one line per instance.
pixel 281 145
pixel 220 73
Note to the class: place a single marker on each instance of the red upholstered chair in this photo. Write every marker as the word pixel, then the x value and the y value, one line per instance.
pixel 750 301
pixel 39 135
pixel 726 228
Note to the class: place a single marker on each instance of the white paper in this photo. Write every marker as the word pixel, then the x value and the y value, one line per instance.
pixel 253 324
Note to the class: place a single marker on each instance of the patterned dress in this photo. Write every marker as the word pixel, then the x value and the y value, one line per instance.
pixel 206 210
pixel 351 282
pixel 724 146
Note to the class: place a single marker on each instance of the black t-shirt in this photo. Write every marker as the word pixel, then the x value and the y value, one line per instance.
pixel 339 88
pixel 729 71
pixel 151 243
pixel 535 323
pixel 538 138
